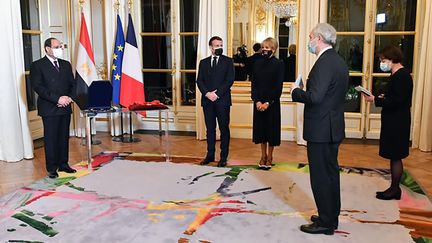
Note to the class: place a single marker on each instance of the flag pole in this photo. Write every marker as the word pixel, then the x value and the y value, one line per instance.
pixel 81 3
pixel 130 139
pixel 120 137
pixel 92 142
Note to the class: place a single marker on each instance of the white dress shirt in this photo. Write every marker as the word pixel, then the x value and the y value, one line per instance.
pixel 52 60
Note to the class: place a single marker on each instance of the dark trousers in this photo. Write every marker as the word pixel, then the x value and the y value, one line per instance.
pixel 212 112
pixel 325 182
pixel 56 139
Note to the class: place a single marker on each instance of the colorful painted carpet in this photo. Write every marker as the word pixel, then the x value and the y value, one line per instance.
pixel 126 200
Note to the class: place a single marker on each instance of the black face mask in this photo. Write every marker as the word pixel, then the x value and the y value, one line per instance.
pixel 267 54
pixel 218 51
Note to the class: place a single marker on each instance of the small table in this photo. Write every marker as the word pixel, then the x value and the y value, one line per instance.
pixel 89 114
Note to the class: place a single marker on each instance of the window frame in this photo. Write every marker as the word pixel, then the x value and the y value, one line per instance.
pixel 176 69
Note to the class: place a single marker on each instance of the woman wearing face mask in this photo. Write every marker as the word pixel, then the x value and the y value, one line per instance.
pixel 395 117
pixel 266 91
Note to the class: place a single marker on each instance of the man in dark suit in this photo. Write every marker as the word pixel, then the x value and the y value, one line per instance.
pixel 53 81
pixel 250 61
pixel 324 126
pixel 215 78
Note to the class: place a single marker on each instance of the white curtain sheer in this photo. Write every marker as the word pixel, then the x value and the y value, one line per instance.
pixel 310 12
pixel 422 119
pixel 212 21
pixel 15 139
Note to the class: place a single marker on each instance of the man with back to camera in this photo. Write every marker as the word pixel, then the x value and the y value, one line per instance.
pixel 250 61
pixel 324 126
pixel 52 79
pixel 215 78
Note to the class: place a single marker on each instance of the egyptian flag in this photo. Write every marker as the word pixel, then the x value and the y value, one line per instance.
pixel 132 85
pixel 117 62
pixel 85 71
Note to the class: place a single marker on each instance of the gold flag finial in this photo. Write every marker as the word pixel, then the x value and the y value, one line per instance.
pixel 81 2
pixel 116 5
pixel 129 4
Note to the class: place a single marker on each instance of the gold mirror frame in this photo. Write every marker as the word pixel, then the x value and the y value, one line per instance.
pixel 260 16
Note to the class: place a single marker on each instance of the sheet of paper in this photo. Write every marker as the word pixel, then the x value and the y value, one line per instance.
pixel 363 90
pixel 299 81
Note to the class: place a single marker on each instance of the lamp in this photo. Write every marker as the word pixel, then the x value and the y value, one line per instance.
pixel 282 8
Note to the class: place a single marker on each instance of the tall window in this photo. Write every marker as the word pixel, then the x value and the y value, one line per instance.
pixel 157 49
pixel 283 37
pixel 189 15
pixel 393 24
pixel 348 17
pixel 364 27
pixel 159 36
pixel 31 43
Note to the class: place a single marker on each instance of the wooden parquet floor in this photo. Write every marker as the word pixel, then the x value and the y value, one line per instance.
pixel 19 174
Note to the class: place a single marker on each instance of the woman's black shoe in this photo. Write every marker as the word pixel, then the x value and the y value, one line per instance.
pixel 388 190
pixel 389 195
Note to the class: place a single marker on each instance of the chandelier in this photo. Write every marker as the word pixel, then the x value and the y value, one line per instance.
pixel 282 8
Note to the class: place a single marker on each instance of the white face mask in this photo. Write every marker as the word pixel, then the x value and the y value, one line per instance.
pixel 312 48
pixel 57 52
pixel 385 67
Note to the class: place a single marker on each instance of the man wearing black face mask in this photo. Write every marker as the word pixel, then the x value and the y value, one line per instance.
pixel 215 78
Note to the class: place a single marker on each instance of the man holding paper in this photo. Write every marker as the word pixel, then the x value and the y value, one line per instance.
pixel 324 126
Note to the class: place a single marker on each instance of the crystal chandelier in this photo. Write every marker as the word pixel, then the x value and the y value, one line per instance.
pixel 282 8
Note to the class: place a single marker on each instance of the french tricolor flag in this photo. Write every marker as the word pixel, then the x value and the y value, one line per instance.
pixel 132 85
pixel 85 71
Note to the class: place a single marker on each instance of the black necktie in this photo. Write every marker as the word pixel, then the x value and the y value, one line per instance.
pixel 56 66
pixel 214 62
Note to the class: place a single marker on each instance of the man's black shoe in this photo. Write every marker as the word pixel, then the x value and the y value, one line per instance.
pixel 67 170
pixel 222 162
pixel 315 219
pixel 315 228
pixel 53 175
pixel 206 161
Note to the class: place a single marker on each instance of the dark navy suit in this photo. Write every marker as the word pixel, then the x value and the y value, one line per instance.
pixel 324 130
pixel 220 78
pixel 50 85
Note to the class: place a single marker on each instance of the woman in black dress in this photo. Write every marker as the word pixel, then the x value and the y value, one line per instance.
pixel 395 117
pixel 266 91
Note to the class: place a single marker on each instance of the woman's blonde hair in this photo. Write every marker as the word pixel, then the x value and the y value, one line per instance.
pixel 271 42
pixel 292 49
